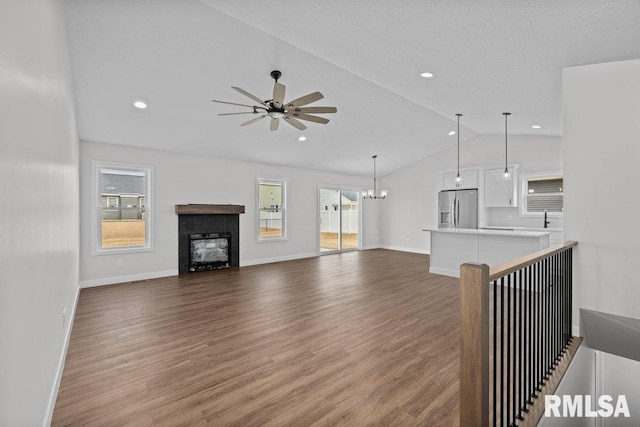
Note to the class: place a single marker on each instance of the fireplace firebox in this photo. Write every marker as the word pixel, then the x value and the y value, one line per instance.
pixel 209 251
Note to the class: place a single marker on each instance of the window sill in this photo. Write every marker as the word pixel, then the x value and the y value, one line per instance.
pixel 271 239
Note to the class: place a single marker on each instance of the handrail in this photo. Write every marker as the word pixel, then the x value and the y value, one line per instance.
pixel 509 267
pixel 515 341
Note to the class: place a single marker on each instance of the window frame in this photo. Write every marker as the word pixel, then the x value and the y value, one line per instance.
pixel 524 187
pixel 282 208
pixel 96 206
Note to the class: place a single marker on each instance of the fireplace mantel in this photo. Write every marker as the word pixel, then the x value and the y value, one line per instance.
pixel 198 209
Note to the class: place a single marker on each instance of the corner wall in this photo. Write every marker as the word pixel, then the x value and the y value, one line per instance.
pixel 601 107
pixel 39 207
pixel 183 179
pixel 601 157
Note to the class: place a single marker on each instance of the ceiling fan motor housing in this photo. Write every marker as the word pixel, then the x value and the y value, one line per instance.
pixel 275 74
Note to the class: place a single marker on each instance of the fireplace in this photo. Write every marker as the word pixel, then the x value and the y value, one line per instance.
pixel 208 237
pixel 209 251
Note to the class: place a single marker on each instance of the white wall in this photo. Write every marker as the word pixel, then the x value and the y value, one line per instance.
pixel 601 106
pixel 39 207
pixel 413 191
pixel 182 179
pixel 601 157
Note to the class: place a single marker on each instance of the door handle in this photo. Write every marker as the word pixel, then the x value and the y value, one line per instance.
pixel 455 220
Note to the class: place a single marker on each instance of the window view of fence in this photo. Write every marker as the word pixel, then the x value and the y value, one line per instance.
pixel 123 207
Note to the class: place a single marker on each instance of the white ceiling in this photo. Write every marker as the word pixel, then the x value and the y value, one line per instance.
pixel 488 56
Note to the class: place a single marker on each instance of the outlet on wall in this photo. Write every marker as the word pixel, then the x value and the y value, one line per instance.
pixel 119 263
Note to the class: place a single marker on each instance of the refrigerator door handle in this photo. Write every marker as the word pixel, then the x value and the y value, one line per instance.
pixel 455 220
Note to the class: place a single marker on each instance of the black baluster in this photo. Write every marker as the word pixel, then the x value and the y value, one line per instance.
pixel 502 361
pixel 495 353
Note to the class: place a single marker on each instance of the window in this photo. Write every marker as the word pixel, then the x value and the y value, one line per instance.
pixel 542 192
pixel 272 209
pixel 122 215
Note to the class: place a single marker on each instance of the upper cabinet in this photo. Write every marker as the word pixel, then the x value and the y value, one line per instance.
pixel 498 191
pixel 469 180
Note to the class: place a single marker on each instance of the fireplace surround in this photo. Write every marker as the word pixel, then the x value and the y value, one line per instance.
pixel 216 222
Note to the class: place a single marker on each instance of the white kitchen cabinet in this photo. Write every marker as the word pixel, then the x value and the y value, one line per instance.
pixel 469 180
pixel 499 192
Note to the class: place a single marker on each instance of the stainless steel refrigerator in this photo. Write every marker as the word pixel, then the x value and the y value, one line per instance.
pixel 458 209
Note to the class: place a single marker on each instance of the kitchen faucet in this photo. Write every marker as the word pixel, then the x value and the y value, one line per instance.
pixel 546 222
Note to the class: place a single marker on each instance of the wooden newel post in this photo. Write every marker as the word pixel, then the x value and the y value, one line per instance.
pixel 474 345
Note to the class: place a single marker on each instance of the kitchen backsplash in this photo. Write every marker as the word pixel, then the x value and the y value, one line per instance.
pixel 510 217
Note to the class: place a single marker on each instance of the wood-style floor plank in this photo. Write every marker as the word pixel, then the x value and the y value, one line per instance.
pixel 359 338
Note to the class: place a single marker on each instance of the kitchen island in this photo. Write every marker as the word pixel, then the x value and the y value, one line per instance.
pixel 451 247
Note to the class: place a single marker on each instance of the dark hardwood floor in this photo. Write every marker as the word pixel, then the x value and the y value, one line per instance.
pixel 359 338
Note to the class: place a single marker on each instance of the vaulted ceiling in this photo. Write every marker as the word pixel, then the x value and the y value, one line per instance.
pixel 487 57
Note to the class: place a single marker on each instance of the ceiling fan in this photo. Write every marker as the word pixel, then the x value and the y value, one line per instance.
pixel 291 112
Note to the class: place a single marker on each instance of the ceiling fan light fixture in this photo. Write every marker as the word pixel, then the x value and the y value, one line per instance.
pixel 276 108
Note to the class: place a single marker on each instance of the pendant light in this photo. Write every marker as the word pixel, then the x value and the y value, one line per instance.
pixel 506 176
pixel 458 177
pixel 373 194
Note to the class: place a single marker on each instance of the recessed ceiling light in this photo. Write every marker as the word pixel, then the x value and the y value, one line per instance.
pixel 302 138
pixel 426 75
pixel 140 104
pixel 453 132
pixel 536 126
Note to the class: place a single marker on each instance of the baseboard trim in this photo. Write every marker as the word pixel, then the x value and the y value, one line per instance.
pixel 278 259
pixel 403 249
pixel 127 278
pixel 63 357
pixel 444 272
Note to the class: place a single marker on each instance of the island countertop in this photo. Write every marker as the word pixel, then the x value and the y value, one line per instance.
pixel 513 233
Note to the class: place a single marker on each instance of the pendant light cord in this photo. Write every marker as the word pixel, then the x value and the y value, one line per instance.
pixel 459 115
pixel 506 167
pixel 375 189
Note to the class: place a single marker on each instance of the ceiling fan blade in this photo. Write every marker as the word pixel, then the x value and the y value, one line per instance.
pixel 274 123
pixel 233 103
pixel 231 114
pixel 247 94
pixel 278 94
pixel 310 118
pixel 304 100
pixel 295 123
pixel 315 110
pixel 254 120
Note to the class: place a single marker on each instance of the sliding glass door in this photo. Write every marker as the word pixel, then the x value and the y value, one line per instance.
pixel 339 220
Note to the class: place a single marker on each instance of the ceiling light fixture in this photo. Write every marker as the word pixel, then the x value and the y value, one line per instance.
pixel 140 104
pixel 453 132
pixel 458 177
pixel 426 75
pixel 302 138
pixel 373 194
pixel 536 126
pixel 506 175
